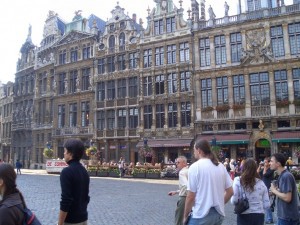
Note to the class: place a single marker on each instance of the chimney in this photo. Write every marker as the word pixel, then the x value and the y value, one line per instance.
pixel 134 17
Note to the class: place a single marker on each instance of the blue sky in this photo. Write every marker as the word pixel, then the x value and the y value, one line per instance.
pixel 16 16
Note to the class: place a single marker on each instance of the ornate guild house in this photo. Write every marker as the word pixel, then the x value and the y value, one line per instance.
pixel 124 84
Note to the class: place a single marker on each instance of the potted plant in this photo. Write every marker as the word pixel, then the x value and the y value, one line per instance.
pixel 207 109
pixel 153 173
pixel 139 172
pixel 92 171
pixel 223 107
pixel 91 151
pixel 114 172
pixel 238 106
pixel 48 153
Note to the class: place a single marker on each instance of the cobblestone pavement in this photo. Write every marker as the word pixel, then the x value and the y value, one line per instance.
pixel 114 201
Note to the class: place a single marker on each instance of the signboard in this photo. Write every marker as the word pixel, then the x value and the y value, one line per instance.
pixel 263 143
pixel 55 166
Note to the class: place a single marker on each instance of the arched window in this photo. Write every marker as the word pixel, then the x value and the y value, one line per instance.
pixel 122 39
pixel 111 43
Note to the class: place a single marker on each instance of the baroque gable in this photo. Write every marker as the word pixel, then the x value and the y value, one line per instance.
pixel 72 37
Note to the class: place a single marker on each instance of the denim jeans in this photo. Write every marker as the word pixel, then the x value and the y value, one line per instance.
pixel 212 218
pixel 286 222
pixel 269 216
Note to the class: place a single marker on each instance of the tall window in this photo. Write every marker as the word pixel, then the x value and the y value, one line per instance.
pixel 159 56
pixel 296 82
pixel 62 57
pixel 159 84
pixel 101 66
pixel 111 64
pixel 122 88
pixel 122 118
pixel 147 116
pixel 121 62
pixel 185 82
pixel 185 114
pixel 85 79
pixel 220 49
pixel 122 42
pixel 171 24
pixel 111 44
pixel 172 114
pixel 110 119
pixel 133 118
pixel 73 115
pixel 204 52
pixel 172 83
pixel 101 91
pixel 85 114
pixel 133 87
pixel 171 53
pixel 61 116
pixel 158 27
pixel 86 51
pixel 147 86
pixel 253 5
pixel 281 87
pixel 61 83
pixel 277 41
pixel 74 53
pixel 222 90
pixel 147 58
pixel 259 89
pixel 184 52
pixel 238 89
pixel 111 90
pixel 206 92
pixel 160 116
pixel 133 60
pixel 100 120
pixel 294 36
pixel 236 46
pixel 73 79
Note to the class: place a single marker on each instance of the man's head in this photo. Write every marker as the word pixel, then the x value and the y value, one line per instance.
pixel 181 162
pixel 277 161
pixel 201 148
pixel 74 149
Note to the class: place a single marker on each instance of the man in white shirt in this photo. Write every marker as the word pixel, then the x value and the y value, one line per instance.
pixel 209 188
pixel 181 164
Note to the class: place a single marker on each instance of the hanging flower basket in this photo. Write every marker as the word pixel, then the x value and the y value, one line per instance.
pixel 207 109
pixel 224 107
pixel 297 152
pixel 282 103
pixel 91 151
pixel 48 153
pixel 238 106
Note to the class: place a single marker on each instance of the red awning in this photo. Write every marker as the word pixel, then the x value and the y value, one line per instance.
pixel 227 138
pixel 286 137
pixel 166 143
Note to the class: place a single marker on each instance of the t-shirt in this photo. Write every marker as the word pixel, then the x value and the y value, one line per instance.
pixel 285 210
pixel 209 182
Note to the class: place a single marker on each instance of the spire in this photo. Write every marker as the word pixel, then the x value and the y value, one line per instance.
pixel 29 34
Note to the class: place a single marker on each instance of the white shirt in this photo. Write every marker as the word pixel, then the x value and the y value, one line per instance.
pixel 258 199
pixel 183 180
pixel 209 182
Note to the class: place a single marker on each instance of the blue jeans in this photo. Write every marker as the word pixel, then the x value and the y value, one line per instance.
pixel 269 216
pixel 212 218
pixel 286 222
pixel 250 219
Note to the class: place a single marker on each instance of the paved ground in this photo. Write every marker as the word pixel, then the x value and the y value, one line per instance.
pixel 114 201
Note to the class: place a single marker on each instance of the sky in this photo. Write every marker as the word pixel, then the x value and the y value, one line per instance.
pixel 17 15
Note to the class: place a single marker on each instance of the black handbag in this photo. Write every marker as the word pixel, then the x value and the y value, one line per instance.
pixel 242 205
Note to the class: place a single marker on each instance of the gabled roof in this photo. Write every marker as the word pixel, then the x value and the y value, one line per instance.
pixel 73 36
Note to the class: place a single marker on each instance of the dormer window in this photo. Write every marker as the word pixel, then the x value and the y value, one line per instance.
pixel 171 26
pixel 122 25
pixel 158 27
pixel 112 27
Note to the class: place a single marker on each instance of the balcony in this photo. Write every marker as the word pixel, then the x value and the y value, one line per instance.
pixel 260 111
pixel 73 131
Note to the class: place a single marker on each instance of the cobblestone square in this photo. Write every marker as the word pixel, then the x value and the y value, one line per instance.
pixel 114 201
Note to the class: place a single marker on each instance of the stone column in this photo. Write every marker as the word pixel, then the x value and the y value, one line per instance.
pixel 291 93
pixel 212 52
pixel 286 40
pixel 248 96
pixel 228 49
pixel 272 93
pixel 198 100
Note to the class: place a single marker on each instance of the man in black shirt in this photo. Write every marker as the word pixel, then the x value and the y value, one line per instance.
pixel 266 175
pixel 74 181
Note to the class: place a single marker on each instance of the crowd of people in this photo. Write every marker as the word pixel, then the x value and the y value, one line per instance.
pixel 204 189
pixel 207 185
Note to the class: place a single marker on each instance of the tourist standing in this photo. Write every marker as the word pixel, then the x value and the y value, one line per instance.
pixel 286 192
pixel 250 186
pixel 121 165
pixel 18 166
pixel 209 187
pixel 181 164
pixel 74 181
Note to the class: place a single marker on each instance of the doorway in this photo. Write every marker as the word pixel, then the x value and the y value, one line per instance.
pixel 262 149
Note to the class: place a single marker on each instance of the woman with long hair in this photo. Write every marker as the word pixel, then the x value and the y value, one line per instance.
pixel 250 186
pixel 10 197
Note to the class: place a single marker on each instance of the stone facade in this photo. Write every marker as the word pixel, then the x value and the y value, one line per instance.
pixel 122 87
